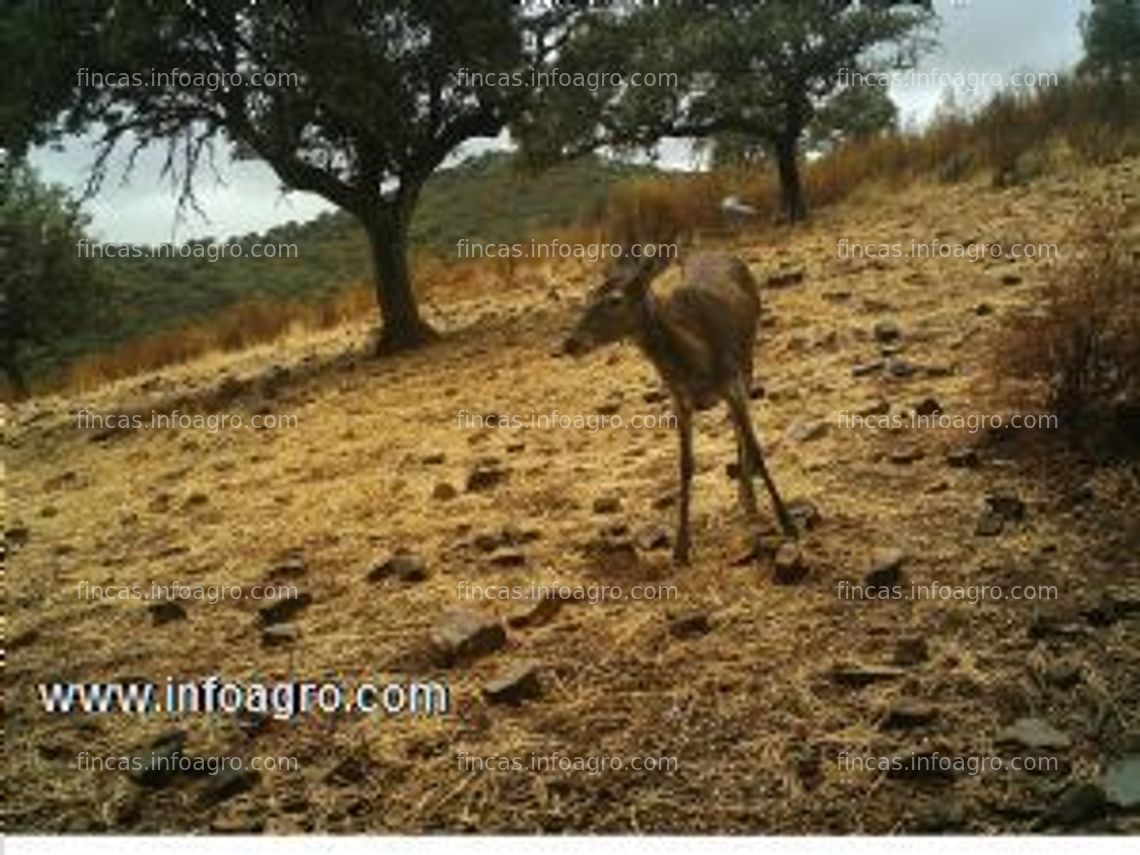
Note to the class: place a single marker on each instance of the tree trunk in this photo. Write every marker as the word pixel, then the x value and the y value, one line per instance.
pixel 791 189
pixel 402 328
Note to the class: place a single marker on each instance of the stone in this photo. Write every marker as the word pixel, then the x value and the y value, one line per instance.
pixel 290 567
pixel 508 558
pixel 785 278
pixel 789 567
pixel 1079 804
pixel 911 650
pixel 654 538
pixel 965 458
pixel 284 610
pixel 157 767
pixel 1062 675
pixel 279 635
pixel 804 513
pixel 900 368
pixel 517 684
pixel 907 715
pixel 690 624
pixel 906 455
pixel 886 332
pixel 808 431
pixel 536 612
pixel 857 675
pixel 878 407
pixel 485 477
pixel 166 611
pixel 989 525
pixel 1007 505
pixel 1034 733
pixel 865 369
pixel 886 568
pixel 607 505
pixel 922 764
pixel 927 407
pixel 1122 782
pixel 444 492
pixel 405 566
pixel 463 635
pixel 226 784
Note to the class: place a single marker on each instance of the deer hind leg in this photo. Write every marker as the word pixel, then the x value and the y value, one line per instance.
pixel 738 407
pixel 744 473
pixel 682 544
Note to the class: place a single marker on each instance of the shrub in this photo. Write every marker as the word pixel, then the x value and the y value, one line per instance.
pixel 1081 348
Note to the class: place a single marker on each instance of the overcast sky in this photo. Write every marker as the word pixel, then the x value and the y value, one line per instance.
pixel 991 37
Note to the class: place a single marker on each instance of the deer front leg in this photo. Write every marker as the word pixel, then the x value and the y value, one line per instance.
pixel 685 432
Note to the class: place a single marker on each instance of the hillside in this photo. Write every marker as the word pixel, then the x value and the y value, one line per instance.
pixel 757 689
pixel 484 199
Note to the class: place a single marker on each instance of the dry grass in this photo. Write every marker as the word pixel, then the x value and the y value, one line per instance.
pixel 748 709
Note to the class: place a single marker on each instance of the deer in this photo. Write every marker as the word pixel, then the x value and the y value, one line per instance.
pixel 700 339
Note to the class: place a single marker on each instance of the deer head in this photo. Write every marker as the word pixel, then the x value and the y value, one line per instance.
pixel 615 309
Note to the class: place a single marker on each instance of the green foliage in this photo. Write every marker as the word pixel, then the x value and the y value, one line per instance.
pixel 48 290
pixel 758 69
pixel 1111 32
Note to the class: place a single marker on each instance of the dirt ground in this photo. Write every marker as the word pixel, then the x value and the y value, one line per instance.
pixel 748 689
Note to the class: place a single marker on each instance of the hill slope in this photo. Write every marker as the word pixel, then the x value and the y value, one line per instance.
pixel 757 690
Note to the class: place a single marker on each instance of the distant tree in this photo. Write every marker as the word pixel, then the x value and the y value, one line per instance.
pixel 749 69
pixel 1111 32
pixel 357 101
pixel 49 289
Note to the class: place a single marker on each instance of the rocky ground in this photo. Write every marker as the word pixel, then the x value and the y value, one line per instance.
pixel 755 676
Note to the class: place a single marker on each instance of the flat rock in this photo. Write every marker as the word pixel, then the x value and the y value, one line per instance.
pixel 1079 804
pixel 900 368
pixel 865 369
pixel 965 458
pixel 809 431
pixel 1034 733
pixel 485 477
pixel 155 768
pixel 907 715
pixel 690 624
pixel 284 610
pixel 1006 504
pixel 927 407
pixel 279 635
pixel 518 683
pixel 1122 782
pixel 289 567
pixel 886 568
pixel 508 558
pixel 444 492
pixel 886 332
pixel 166 611
pixel 911 650
pixel 989 525
pixel 405 566
pixel 607 505
pixel 536 612
pixel 789 567
pixel 226 784
pixel 461 635
pixel 856 675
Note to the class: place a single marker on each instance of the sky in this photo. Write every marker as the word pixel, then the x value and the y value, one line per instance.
pixel 995 38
